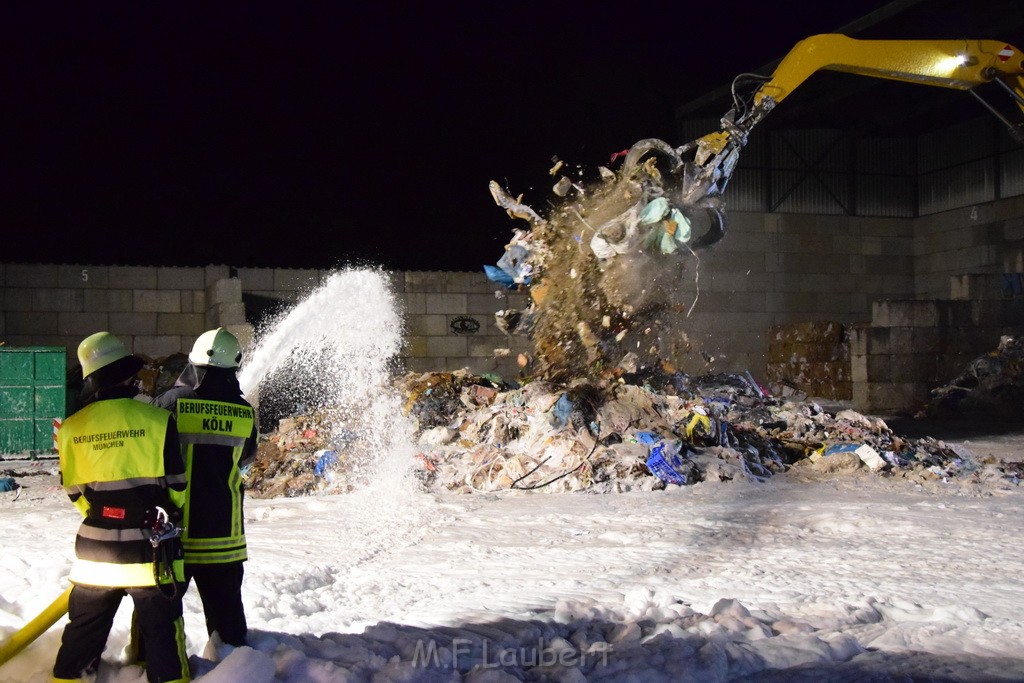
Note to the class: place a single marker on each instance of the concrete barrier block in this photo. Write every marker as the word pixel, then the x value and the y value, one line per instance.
pixel 483 304
pixel 83 276
pixel 1013 259
pixel 83 324
pixel 920 313
pixel 901 339
pixel 222 315
pixel 424 281
pixel 256 279
pixel 954 313
pixel 213 273
pixel 415 346
pixel 878 341
pixel 31 323
pixel 879 368
pixel 32 275
pixel 912 367
pixel 912 313
pixel 107 300
pixel 483 347
pixel 132 277
pixel 859 368
pixel 880 316
pixel 464 282
pixel 181 324
pixel 175 277
pixel 132 323
pixel 224 291
pixel 427 325
pixel 448 346
pixel 412 303
pixel 17 299
pixel 244 333
pixel 985 286
pixel 445 304
pixel 156 301
pixel 858 339
pixel 888 398
pixel 61 300
pixel 419 364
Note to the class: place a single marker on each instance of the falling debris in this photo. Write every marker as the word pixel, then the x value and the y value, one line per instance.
pixel 609 261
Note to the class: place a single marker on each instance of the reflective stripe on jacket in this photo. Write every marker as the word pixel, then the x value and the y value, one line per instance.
pixel 112 467
pixel 214 435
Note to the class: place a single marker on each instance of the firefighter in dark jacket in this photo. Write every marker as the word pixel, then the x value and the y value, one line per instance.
pixel 218 431
pixel 121 465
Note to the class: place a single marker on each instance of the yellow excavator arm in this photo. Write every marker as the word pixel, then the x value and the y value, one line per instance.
pixel 958 64
pixel 707 163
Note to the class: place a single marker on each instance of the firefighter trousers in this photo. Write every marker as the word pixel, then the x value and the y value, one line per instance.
pixel 91 612
pixel 220 589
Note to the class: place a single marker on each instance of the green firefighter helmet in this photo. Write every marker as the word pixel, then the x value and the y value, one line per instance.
pixel 218 348
pixel 100 350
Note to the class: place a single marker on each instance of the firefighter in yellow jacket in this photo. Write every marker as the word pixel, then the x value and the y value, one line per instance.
pixel 218 431
pixel 121 465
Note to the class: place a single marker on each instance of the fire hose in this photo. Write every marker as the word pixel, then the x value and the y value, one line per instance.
pixel 164 529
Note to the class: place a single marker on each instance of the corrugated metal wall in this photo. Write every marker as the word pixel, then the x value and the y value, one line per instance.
pixel 1011 172
pixel 956 167
pixel 834 172
pixel 886 178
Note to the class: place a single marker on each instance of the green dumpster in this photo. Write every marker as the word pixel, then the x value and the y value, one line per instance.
pixel 33 396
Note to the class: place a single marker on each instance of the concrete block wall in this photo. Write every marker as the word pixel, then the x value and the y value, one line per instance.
pixel 912 346
pixel 769 270
pixel 448 316
pixel 784 269
pixel 986 238
pixel 157 311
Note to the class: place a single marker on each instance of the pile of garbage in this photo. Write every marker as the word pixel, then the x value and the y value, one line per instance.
pixel 990 387
pixel 480 434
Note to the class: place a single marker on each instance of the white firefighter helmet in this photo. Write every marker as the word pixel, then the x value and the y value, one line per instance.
pixel 100 350
pixel 218 348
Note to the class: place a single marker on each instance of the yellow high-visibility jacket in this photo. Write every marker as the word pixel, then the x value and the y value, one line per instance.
pixel 119 462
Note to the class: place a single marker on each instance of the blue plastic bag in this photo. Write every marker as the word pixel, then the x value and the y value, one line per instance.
pixel 324 461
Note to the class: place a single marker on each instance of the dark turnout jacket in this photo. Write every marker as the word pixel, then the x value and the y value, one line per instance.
pixel 217 428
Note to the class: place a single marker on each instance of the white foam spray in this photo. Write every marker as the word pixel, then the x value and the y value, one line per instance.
pixel 333 354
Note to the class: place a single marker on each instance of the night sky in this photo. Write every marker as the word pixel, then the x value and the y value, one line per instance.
pixel 297 134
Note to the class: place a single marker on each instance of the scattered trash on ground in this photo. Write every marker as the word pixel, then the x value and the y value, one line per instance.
pixel 991 386
pixel 480 434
